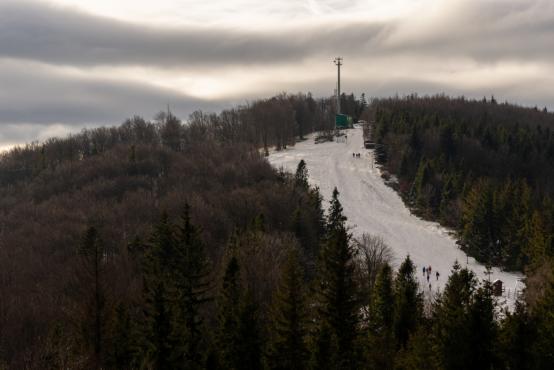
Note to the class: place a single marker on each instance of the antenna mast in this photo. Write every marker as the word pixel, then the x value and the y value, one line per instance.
pixel 338 63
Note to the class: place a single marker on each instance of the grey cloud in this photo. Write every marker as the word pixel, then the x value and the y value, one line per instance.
pixel 33 97
pixel 487 32
pixel 55 35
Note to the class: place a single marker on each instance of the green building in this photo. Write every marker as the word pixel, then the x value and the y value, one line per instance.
pixel 343 121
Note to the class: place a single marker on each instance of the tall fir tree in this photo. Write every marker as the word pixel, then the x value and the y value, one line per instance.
pixel 451 320
pixel 301 175
pixel 250 341
pixel 337 290
pixel 91 277
pixel 229 307
pixel 124 350
pixel 408 303
pixel 161 347
pixel 543 314
pixel 288 348
pixel 191 276
pixel 381 320
pixel 483 329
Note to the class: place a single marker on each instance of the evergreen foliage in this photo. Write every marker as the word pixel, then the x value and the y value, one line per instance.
pixel 408 303
pixel 288 349
pixel 380 323
pixel 337 290
pixel 480 167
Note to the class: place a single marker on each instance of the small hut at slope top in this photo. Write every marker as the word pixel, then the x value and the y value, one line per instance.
pixel 343 121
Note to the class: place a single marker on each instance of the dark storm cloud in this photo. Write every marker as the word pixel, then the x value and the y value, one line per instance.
pixel 487 31
pixel 37 40
pixel 61 36
pixel 34 96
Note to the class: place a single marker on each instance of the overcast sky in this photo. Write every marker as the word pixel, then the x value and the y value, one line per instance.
pixel 68 64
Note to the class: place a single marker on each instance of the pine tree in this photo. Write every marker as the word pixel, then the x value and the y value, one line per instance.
pixel 229 307
pixel 408 303
pixel 192 270
pixel 516 339
pixel 249 336
pixel 478 220
pixel 483 329
pixel 323 348
pixel 382 303
pixel 381 321
pixel 544 317
pixel 161 351
pixel 91 277
pixel 422 177
pixel 124 350
pixel 161 347
pixel 536 250
pixel 301 175
pixel 316 208
pixel 337 303
pixel 288 347
pixel 451 327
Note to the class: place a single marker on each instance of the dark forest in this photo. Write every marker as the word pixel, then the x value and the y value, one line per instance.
pixel 175 245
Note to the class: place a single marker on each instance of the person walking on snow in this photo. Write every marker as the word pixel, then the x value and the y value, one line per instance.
pixel 423 270
pixel 437 275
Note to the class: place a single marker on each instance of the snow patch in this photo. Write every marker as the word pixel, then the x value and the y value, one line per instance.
pixel 373 207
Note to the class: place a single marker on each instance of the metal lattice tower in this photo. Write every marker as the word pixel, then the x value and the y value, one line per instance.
pixel 338 63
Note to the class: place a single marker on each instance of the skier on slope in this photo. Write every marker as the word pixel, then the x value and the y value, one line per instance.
pixel 423 270
pixel 437 275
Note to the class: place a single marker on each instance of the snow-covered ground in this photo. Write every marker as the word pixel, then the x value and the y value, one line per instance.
pixel 373 207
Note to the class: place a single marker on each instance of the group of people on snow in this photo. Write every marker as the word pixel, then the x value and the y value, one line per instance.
pixel 356 155
pixel 427 270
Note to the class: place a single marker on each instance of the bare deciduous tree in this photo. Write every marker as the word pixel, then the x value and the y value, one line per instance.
pixel 373 253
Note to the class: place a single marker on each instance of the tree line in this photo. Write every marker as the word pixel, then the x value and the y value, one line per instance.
pixel 250 313
pixel 481 167
pixel 161 245
pixel 118 180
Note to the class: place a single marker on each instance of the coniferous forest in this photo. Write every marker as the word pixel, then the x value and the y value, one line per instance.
pixel 175 245
pixel 483 168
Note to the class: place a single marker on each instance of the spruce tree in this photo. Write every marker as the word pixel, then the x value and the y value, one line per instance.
pixel 192 269
pixel 124 351
pixel 229 307
pixel 249 336
pixel 544 318
pixel 91 277
pixel 381 320
pixel 451 325
pixel 483 330
pixel 477 235
pixel 161 349
pixel 408 303
pixel 301 175
pixel 337 301
pixel 516 339
pixel 288 347
pixel 323 348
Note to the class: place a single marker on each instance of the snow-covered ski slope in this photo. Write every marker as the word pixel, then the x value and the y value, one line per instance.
pixel 373 207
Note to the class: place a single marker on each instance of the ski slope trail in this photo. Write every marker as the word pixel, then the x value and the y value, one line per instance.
pixel 373 207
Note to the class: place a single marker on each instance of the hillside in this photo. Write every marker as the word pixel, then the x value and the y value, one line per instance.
pixel 373 207
pixel 120 181
pixel 170 245
pixel 480 167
